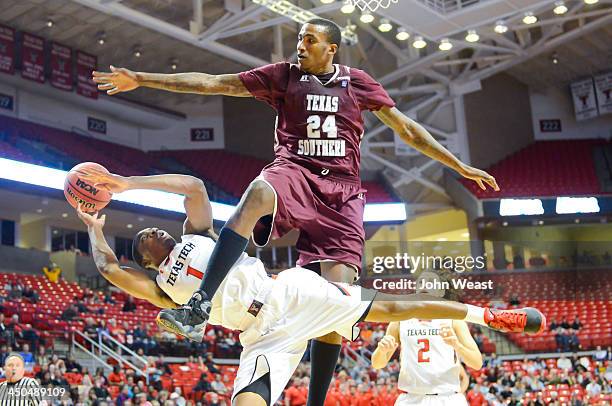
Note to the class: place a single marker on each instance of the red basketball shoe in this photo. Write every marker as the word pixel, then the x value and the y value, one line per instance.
pixel 527 320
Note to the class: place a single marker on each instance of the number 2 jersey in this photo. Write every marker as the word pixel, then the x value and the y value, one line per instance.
pixel 318 125
pixel 428 365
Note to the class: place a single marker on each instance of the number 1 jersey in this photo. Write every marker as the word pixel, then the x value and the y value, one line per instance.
pixel 318 124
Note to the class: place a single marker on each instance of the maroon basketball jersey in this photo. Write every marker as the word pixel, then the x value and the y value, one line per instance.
pixel 318 125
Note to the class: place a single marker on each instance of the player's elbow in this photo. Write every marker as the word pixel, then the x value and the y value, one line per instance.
pixel 195 185
pixel 476 362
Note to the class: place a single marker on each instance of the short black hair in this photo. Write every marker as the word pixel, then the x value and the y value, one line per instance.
pixel 136 255
pixel 333 31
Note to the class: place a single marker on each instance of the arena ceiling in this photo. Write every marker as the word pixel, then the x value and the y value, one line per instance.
pixel 218 36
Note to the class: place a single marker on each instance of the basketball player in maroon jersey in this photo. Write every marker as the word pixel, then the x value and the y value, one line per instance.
pixel 313 184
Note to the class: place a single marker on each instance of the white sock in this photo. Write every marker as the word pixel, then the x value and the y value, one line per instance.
pixel 475 314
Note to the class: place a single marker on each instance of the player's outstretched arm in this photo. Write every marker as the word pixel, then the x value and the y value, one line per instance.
pixel 386 347
pixel 131 281
pixel 124 80
pixel 413 134
pixel 197 204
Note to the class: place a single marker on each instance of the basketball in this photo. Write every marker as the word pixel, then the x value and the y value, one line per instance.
pixel 78 191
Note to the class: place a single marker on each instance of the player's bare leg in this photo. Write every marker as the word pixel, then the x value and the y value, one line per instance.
pixel 249 399
pixel 189 321
pixel 325 350
pixel 388 308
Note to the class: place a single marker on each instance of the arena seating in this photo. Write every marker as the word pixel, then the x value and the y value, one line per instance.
pixel 585 294
pixel 545 168
pixel 231 172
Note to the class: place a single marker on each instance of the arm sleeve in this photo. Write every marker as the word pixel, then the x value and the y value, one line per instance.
pixel 267 83
pixel 369 93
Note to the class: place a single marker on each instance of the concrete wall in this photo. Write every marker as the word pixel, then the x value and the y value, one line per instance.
pixel 35 235
pixel 498 120
pixel 15 259
pixel 556 103
pixel 127 123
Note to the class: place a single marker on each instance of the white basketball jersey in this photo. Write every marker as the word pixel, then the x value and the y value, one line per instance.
pixel 181 273
pixel 428 365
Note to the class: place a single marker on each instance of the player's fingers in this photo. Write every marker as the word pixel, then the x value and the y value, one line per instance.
pixel 113 91
pixel 106 86
pixel 494 184
pixel 103 218
pixel 482 186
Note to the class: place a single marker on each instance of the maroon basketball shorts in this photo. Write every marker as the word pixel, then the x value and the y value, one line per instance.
pixel 327 211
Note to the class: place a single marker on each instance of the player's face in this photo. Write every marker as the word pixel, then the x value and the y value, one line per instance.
pixel 14 369
pixel 154 245
pixel 314 51
pixel 426 283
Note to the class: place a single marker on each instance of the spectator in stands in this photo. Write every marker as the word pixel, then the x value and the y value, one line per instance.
pixel 600 354
pixel 573 342
pixel 177 396
pixel 214 400
pixel 30 294
pixel 564 363
pixel 52 272
pixel 124 396
pixel 4 350
pixel 72 365
pixel 27 356
pixel 594 388
pixel 218 386
pixel 16 292
pixel 514 301
pixel 576 325
pixel 81 306
pixel 117 377
pixel 296 393
pixel 91 330
pixel 203 385
pixel 210 364
pixel 4 333
pixel 108 298
pixel 129 305
pixel 70 313
pixel 518 262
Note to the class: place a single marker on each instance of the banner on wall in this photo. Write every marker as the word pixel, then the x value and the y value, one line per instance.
pixel 61 66
pixel 7 50
pixel 85 64
pixel 32 57
pixel 603 91
pixel 585 103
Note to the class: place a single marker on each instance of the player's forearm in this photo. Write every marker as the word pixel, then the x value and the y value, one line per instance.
pixel 180 184
pixel 420 139
pixel 471 357
pixel 103 255
pixel 380 358
pixel 194 82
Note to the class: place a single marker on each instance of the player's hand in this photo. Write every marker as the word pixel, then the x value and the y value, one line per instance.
pixel 388 344
pixel 479 176
pixel 91 220
pixel 448 336
pixel 116 81
pixel 107 181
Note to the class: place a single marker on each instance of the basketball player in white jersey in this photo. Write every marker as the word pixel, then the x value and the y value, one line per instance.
pixel 431 373
pixel 277 316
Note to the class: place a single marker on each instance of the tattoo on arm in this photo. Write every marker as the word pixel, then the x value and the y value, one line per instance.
pixel 413 134
pixel 194 82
